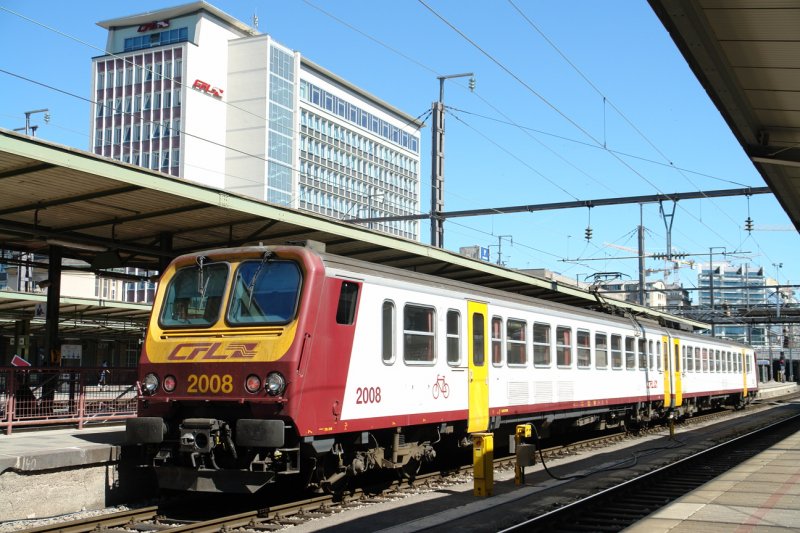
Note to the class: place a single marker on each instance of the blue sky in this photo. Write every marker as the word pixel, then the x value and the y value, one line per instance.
pixel 575 100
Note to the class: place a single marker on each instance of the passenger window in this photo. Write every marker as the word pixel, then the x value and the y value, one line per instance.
pixel 676 358
pixel 541 344
pixel 642 354
pixel 583 341
pixel 563 346
pixel 478 339
pixel 652 353
pixel 705 359
pixel 516 342
pixel 616 352
pixel 348 296
pixel 388 333
pixel 419 334
pixel 630 353
pixel 689 367
pixel 453 337
pixel 600 350
pixel 497 341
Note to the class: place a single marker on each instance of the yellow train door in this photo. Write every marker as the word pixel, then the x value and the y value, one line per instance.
pixel 477 319
pixel 677 371
pixel 673 391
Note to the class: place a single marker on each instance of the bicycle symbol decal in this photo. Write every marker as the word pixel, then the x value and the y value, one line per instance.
pixel 440 387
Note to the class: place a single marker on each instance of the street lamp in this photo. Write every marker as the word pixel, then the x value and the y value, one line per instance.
pixel 437 161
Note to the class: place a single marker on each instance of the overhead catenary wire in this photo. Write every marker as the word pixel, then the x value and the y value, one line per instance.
pixel 597 144
pixel 557 110
pixel 607 101
pixel 395 51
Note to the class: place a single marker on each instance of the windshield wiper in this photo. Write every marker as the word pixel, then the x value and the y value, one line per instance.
pixel 252 285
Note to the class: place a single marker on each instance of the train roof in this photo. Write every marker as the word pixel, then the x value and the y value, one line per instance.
pixel 358 266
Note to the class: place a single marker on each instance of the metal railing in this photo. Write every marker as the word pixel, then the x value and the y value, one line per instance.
pixel 32 396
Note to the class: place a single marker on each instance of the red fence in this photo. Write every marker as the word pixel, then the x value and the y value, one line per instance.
pixel 41 396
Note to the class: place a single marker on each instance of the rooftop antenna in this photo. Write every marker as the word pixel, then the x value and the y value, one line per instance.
pixel 255 20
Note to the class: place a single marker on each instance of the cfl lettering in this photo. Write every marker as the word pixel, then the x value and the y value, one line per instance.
pixel 212 351
pixel 155 25
pixel 204 87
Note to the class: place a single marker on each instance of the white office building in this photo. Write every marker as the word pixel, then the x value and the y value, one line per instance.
pixel 198 94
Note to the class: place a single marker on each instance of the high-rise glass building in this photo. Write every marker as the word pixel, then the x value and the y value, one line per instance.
pixel 735 287
pixel 198 94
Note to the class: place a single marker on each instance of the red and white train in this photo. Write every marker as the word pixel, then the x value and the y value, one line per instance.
pixel 280 363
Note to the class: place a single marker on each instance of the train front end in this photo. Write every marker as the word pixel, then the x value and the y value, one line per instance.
pixel 216 373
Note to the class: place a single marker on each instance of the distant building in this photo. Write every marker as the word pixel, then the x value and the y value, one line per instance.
pixel 726 289
pixel 655 294
pixel 475 252
pixel 28 272
pixel 200 95
pixel 678 298
pixel 543 273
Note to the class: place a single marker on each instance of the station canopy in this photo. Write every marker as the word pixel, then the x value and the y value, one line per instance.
pixel 110 214
pixel 746 54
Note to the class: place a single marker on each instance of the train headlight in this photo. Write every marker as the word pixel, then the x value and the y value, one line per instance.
pixel 150 383
pixel 252 384
pixel 276 384
pixel 170 383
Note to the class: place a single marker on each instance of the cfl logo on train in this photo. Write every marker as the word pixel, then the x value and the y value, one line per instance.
pixel 205 351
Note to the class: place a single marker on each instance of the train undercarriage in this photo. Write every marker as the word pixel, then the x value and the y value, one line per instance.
pixel 243 455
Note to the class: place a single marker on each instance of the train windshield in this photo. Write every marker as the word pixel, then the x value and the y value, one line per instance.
pixel 264 292
pixel 194 296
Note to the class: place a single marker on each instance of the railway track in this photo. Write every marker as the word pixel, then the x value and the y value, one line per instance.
pixel 618 507
pixel 277 517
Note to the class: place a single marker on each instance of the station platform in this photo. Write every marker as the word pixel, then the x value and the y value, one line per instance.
pixel 49 472
pixel 760 495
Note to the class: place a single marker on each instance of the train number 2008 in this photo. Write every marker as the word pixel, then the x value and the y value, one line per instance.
pixel 213 383
pixel 368 395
